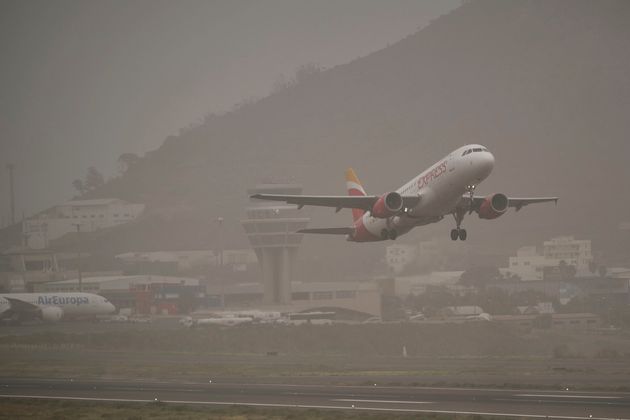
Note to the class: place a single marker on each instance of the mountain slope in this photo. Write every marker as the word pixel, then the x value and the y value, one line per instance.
pixel 543 84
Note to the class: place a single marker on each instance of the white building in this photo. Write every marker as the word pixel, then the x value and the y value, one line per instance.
pixel 237 259
pixel 399 256
pixel 529 264
pixel 574 252
pixel 103 284
pixel 90 215
pixel 416 285
pixel 424 256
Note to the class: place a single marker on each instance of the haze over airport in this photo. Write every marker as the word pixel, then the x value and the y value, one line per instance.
pixel 546 99
pixel 84 81
pixel 176 166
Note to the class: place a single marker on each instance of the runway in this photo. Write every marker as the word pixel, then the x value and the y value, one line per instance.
pixel 565 404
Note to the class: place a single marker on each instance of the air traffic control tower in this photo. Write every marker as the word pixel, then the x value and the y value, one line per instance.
pixel 270 227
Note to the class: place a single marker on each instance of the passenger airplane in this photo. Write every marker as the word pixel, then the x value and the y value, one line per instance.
pixel 51 307
pixel 229 321
pixel 445 188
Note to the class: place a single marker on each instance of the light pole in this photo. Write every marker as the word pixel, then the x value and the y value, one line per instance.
pixel 220 261
pixel 10 167
pixel 220 222
pixel 78 226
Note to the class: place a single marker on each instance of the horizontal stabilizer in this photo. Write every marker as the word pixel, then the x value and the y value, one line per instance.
pixel 329 231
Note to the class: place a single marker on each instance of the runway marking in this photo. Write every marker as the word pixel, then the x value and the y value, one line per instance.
pixel 408 410
pixel 264 384
pixel 568 396
pixel 52 397
pixel 383 401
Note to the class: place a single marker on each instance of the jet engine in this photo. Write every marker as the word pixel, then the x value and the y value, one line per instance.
pixel 387 205
pixel 493 206
pixel 51 313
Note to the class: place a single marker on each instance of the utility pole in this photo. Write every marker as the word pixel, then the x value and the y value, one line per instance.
pixel 78 226
pixel 10 167
pixel 220 221
pixel 220 260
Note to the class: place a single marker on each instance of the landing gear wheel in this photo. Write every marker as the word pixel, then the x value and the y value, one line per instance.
pixel 393 235
pixel 454 234
pixel 384 234
pixel 462 234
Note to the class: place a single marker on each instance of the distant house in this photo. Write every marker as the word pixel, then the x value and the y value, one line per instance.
pixel 90 215
pixel 530 264
pixel 539 309
pixel 461 311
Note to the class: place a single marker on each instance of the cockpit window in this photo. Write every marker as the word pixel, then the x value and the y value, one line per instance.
pixel 477 149
pixel 466 152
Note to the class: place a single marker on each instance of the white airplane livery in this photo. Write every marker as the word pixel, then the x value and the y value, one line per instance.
pixel 446 188
pixel 52 307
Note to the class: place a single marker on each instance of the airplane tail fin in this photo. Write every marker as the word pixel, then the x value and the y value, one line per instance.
pixel 354 189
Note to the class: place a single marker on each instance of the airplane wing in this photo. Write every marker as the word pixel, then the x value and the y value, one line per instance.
pixel 337 201
pixel 329 231
pixel 517 203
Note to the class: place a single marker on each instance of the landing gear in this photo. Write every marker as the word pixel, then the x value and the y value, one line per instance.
pixel 458 232
pixel 389 234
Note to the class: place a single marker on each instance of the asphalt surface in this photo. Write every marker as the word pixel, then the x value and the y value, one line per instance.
pixel 531 403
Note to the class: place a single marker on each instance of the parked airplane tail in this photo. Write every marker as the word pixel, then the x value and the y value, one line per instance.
pixel 354 189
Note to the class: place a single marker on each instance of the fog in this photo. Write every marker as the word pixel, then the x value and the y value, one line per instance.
pixel 160 118
pixel 84 81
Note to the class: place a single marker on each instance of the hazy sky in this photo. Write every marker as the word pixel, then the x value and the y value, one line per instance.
pixel 83 81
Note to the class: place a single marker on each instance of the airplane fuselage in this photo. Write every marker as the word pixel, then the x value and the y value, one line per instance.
pixel 440 187
pixel 71 304
pixel 445 188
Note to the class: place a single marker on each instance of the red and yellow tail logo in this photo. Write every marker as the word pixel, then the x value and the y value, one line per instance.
pixel 355 189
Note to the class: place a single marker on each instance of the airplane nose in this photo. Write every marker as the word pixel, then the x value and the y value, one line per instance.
pixel 490 160
pixel 486 164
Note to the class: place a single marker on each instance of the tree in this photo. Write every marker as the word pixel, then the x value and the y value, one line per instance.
pixel 306 71
pixel 79 186
pixel 126 161
pixel 94 179
pixel 280 84
pixel 567 272
pixel 480 276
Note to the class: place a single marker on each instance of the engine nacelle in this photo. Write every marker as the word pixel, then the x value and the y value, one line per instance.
pixel 387 205
pixel 51 313
pixel 493 206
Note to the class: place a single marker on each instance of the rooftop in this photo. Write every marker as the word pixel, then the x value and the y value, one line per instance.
pixel 93 202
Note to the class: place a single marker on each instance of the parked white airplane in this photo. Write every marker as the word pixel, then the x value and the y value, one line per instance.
pixel 229 321
pixel 52 307
pixel 445 188
pixel 256 315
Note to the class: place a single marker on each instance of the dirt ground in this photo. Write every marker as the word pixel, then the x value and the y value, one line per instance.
pixel 453 355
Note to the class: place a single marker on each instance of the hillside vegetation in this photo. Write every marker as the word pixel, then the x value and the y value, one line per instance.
pixel 543 84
